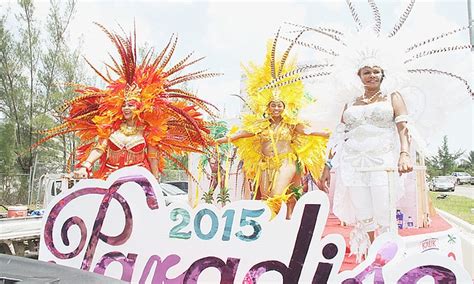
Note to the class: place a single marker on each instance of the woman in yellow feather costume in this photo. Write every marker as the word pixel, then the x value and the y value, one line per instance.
pixel 273 140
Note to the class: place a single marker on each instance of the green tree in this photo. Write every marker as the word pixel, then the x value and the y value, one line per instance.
pixel 467 163
pixel 7 155
pixel 444 162
pixel 29 52
pixel 61 65
pixel 12 95
pixel 35 62
pixel 176 162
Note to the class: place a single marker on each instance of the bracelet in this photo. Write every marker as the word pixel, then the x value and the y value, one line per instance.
pixel 88 168
pixel 328 164
pixel 405 152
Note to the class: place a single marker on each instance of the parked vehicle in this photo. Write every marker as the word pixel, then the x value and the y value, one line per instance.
pixel 20 235
pixel 442 183
pixel 53 184
pixel 183 185
pixel 173 193
pixel 462 177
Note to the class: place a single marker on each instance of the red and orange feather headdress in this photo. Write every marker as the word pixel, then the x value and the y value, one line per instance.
pixel 169 115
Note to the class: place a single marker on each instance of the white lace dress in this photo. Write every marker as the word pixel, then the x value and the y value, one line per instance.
pixel 368 139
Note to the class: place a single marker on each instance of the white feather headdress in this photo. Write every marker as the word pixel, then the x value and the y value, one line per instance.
pixel 345 52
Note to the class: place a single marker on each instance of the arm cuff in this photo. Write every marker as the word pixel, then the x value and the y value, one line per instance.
pixel 402 118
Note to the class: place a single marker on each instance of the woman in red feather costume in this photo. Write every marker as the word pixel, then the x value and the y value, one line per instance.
pixel 140 117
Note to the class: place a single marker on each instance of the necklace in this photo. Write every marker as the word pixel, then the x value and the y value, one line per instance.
pixel 128 130
pixel 371 99
pixel 274 122
pixel 275 126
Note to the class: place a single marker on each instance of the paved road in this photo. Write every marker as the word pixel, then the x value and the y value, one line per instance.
pixel 462 190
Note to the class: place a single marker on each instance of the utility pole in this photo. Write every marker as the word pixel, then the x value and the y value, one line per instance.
pixel 470 23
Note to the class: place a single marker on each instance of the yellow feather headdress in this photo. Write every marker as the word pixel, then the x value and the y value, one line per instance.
pixel 261 88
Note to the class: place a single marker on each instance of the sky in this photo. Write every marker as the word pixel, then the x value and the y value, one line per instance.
pixel 231 33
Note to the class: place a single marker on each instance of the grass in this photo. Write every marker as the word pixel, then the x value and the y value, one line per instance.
pixel 455 205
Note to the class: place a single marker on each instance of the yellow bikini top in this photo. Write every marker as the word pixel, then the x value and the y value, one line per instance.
pixel 282 132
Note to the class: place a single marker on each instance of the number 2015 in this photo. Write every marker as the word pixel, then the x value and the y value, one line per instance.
pixel 179 231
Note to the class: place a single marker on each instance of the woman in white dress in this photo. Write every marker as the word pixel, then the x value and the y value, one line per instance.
pixel 373 121
pixel 367 138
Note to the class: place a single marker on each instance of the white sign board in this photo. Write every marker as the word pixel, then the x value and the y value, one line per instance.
pixel 121 228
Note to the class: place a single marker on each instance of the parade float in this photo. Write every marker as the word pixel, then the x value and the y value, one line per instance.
pixel 119 224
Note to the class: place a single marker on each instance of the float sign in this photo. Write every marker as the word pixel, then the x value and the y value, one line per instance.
pixel 122 228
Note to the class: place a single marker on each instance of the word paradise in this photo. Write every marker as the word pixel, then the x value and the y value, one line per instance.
pixel 122 228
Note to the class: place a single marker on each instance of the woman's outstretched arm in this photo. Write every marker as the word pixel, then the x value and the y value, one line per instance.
pixel 86 166
pixel 325 180
pixel 236 136
pixel 301 129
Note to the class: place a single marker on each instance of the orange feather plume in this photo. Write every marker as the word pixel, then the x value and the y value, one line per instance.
pixel 171 117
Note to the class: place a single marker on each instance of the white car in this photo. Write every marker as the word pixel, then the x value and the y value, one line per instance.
pixel 442 183
pixel 173 193
pixel 461 177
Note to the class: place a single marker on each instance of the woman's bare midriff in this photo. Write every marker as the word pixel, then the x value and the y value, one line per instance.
pixel 282 147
